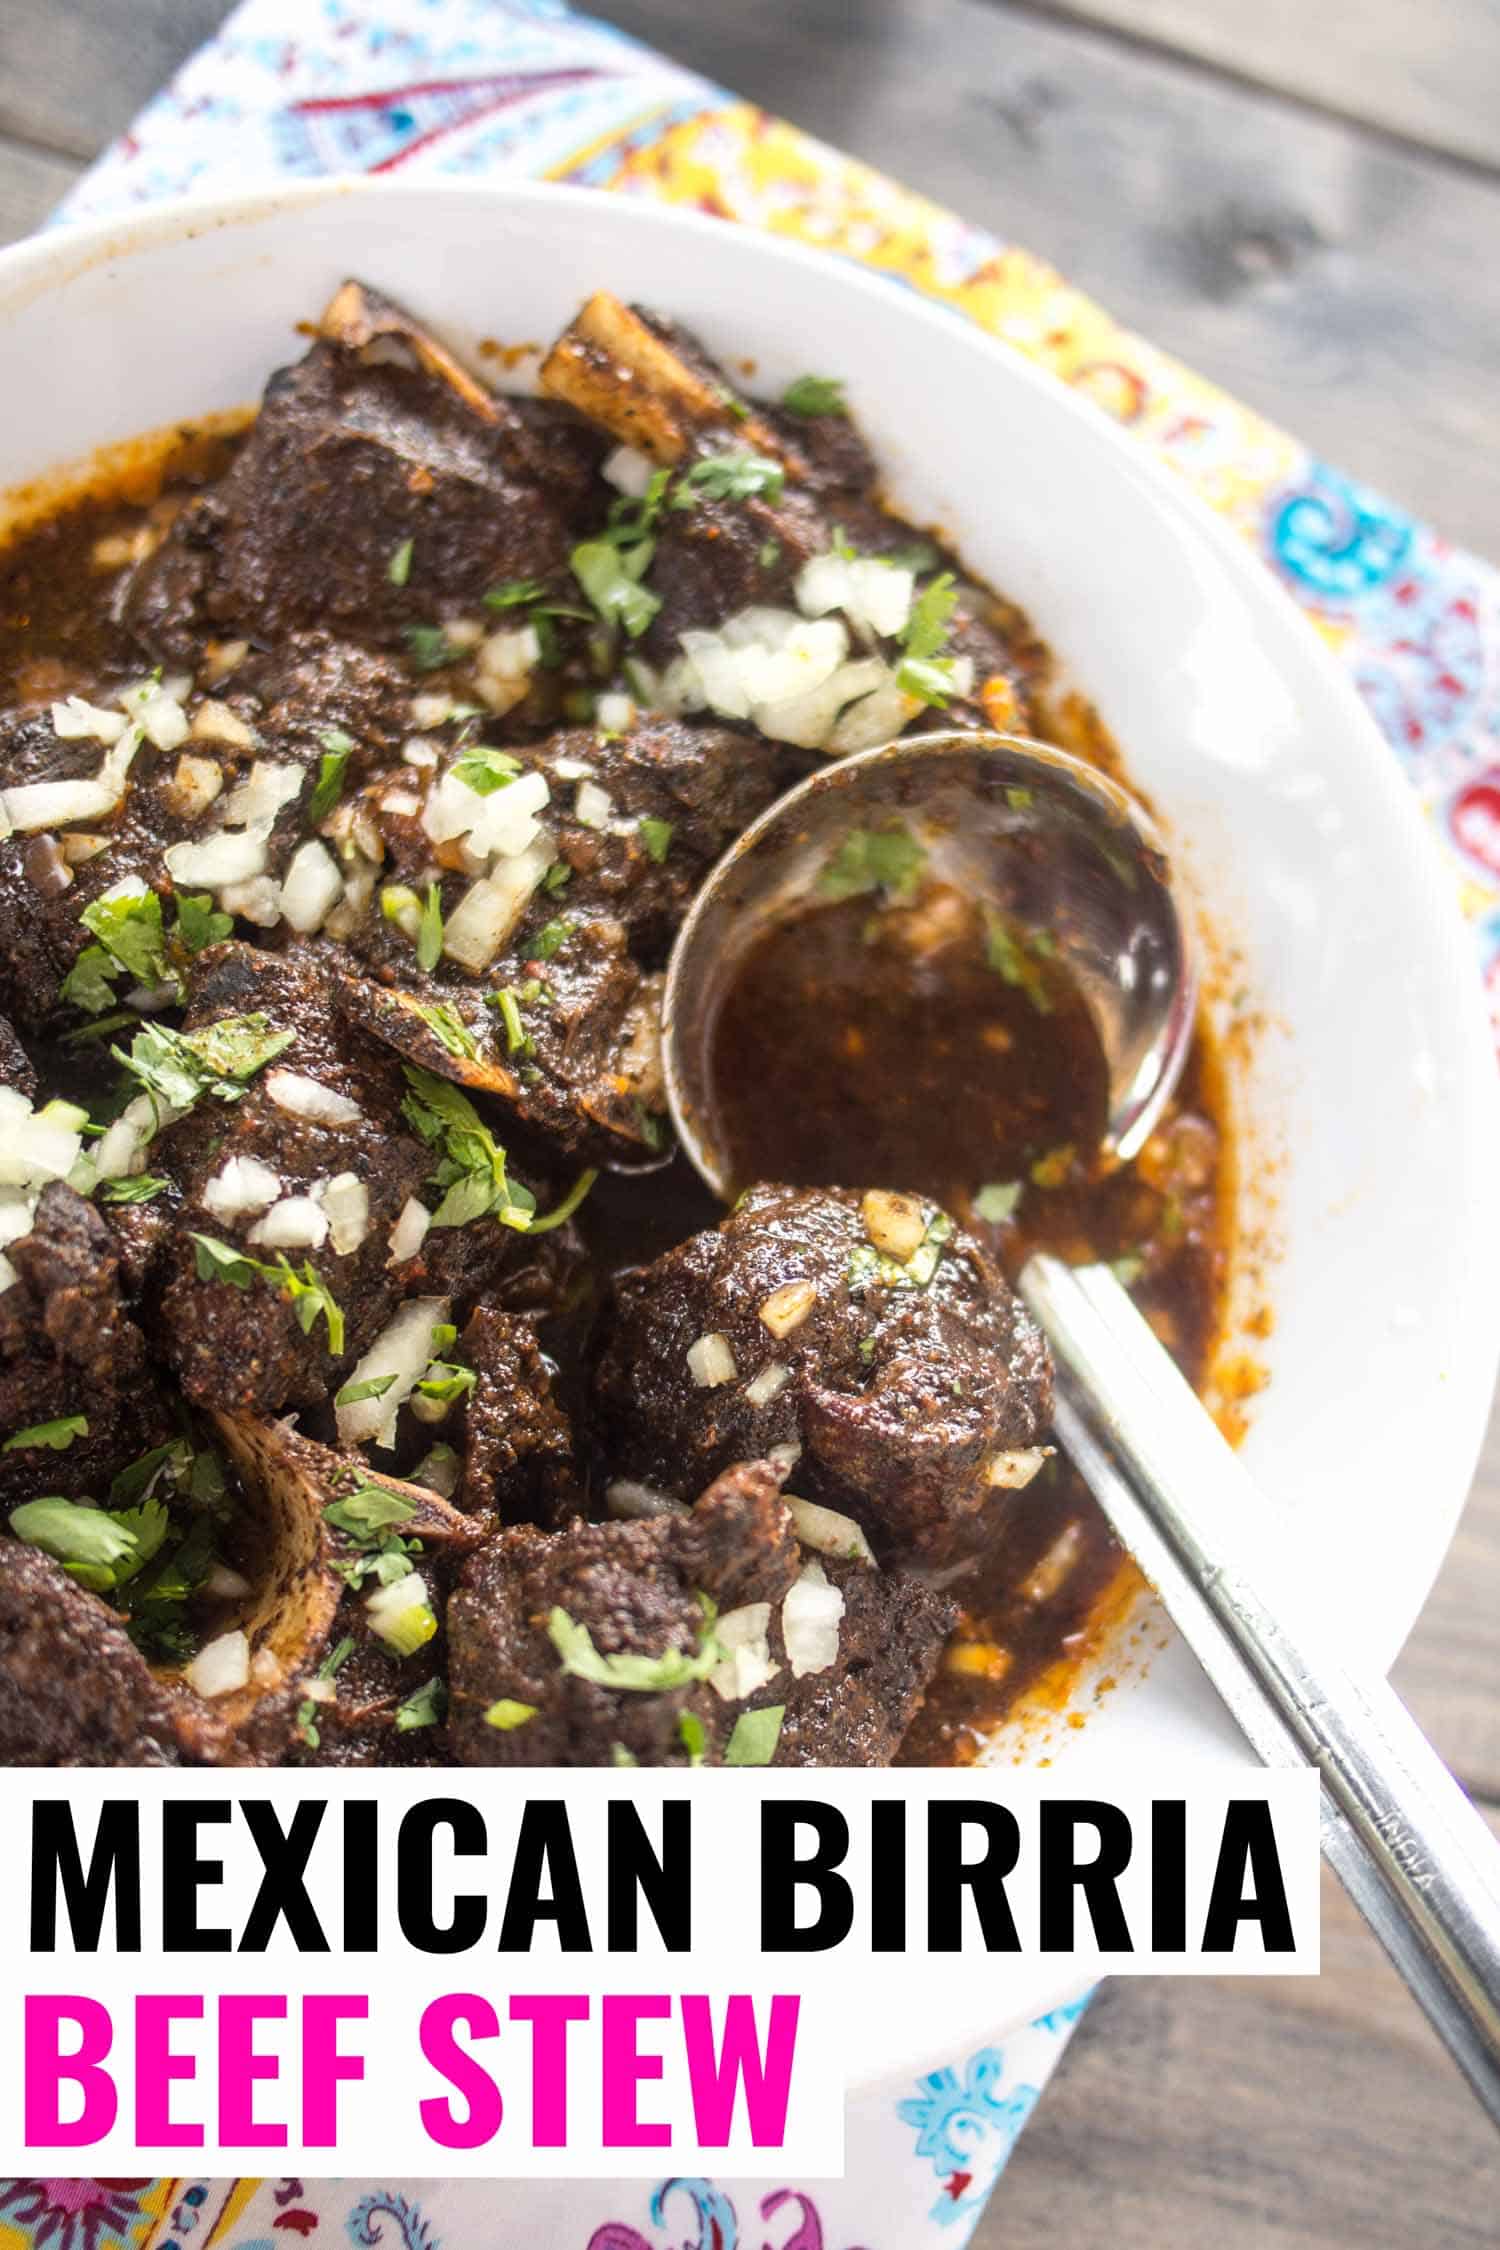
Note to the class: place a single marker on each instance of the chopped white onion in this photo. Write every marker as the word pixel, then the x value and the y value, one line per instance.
pixel 876 717
pixel 745 1636
pixel 216 722
pixel 49 804
pixel 306 1097
pixel 346 1200
pixel 257 901
pixel 711 1361
pixel 1013 1471
pixel 267 787
pixel 787 1307
pixel 220 1666
pixel 193 787
pixel 829 1532
pixel 38 1145
pixel 768 1384
pixel 615 713
pixel 123 1148
pixel 312 886
pixel 637 1503
pixel 504 822
pixel 511 654
pixel 810 1622
pixel 241 1184
pixel 409 1232
pixel 318 1690
pixel 225 1585
pixel 74 720
pixel 896 1224
pixel 490 909
pixel 295 1223
pixel 573 769
pixel 874 596
pixel 79 845
pixel 430 710
pixel 401 804
pixel 402 1349
pixel 388 1604
pixel 628 471
pixel 593 807
pixel 215 862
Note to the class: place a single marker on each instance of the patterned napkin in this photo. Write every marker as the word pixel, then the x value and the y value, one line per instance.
pixel 527 89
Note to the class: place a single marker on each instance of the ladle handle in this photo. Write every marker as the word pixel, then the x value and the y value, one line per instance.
pixel 1414 1854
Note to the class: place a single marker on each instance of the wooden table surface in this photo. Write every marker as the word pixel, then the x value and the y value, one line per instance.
pixel 1304 203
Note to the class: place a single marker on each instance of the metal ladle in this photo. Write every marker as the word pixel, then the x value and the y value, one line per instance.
pixel 1057 848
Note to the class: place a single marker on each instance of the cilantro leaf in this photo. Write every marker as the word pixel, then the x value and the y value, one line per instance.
pixel 88 984
pixel 199 923
pixel 870 859
pixel 507 1714
pixel 997 1201
pixel 177 1067
pixel 56 1436
pixel 815 394
pixel 426 1706
pixel 141 1187
pixel 550 939
pixel 514 593
pixel 611 577
pixel 338 749
pixel 430 933
pixel 484 770
pixel 656 835
pixel 365 1513
pixel 398 569
pixel 640 1675
pixel 755 1736
pixel 445 1021
pixel 128 925
pixel 429 648
pixel 730 476
pixel 306 1291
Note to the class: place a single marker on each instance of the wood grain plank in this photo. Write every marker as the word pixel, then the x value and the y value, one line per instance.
pixel 1427 70
pixel 32 182
pixel 1256 2114
pixel 1338 283
pixel 74 72
pixel 1449 1671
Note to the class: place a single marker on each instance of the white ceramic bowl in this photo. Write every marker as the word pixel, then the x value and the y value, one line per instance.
pixel 1377 1086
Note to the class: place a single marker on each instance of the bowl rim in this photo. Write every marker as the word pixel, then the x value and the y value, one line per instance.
pixel 51 260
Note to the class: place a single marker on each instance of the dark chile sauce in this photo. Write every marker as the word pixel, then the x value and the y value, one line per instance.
pixel 915 1042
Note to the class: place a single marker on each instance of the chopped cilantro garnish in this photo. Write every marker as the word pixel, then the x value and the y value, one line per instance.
pixel 1012 955
pixel 178 1067
pixel 471 1163
pixel 518 1040
pixel 89 983
pixel 922 671
pixel 129 927
pixel 100 1547
pixel 693 1736
pixel 446 1381
pixel 620 1756
pixel 557 878
pixel 430 931
pixel 644 1675
pixel 484 770
pixel 53 1437
pixel 307 1293
pixel 755 1737
pixel 869 859
pixel 365 1513
pixel 507 1714
pixel 611 577
pixel 729 476
pixel 551 939
pixel 426 1706
pixel 815 394
pixel 514 593
pixel 429 648
pixel 374 1386
pixel 448 1025
pixel 199 922
pixel 338 749
pixel 918 557
pixel 1128 1269
pixel 143 1187
pixel 656 835
pixel 561 1212
pixel 996 1201
pixel 398 569
pixel 1051 1170
pixel 769 554
pixel 868 1265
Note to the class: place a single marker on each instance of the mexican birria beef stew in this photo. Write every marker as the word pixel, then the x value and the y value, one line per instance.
pixel 376 1385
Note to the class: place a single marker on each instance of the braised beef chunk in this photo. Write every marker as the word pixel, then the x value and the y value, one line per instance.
pixel 518 1461
pixel 373 440
pixel 68 1350
pixel 907 1385
pixel 16 1069
pixel 74 1691
pixel 538 1616
pixel 854 1711
pixel 243 1348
